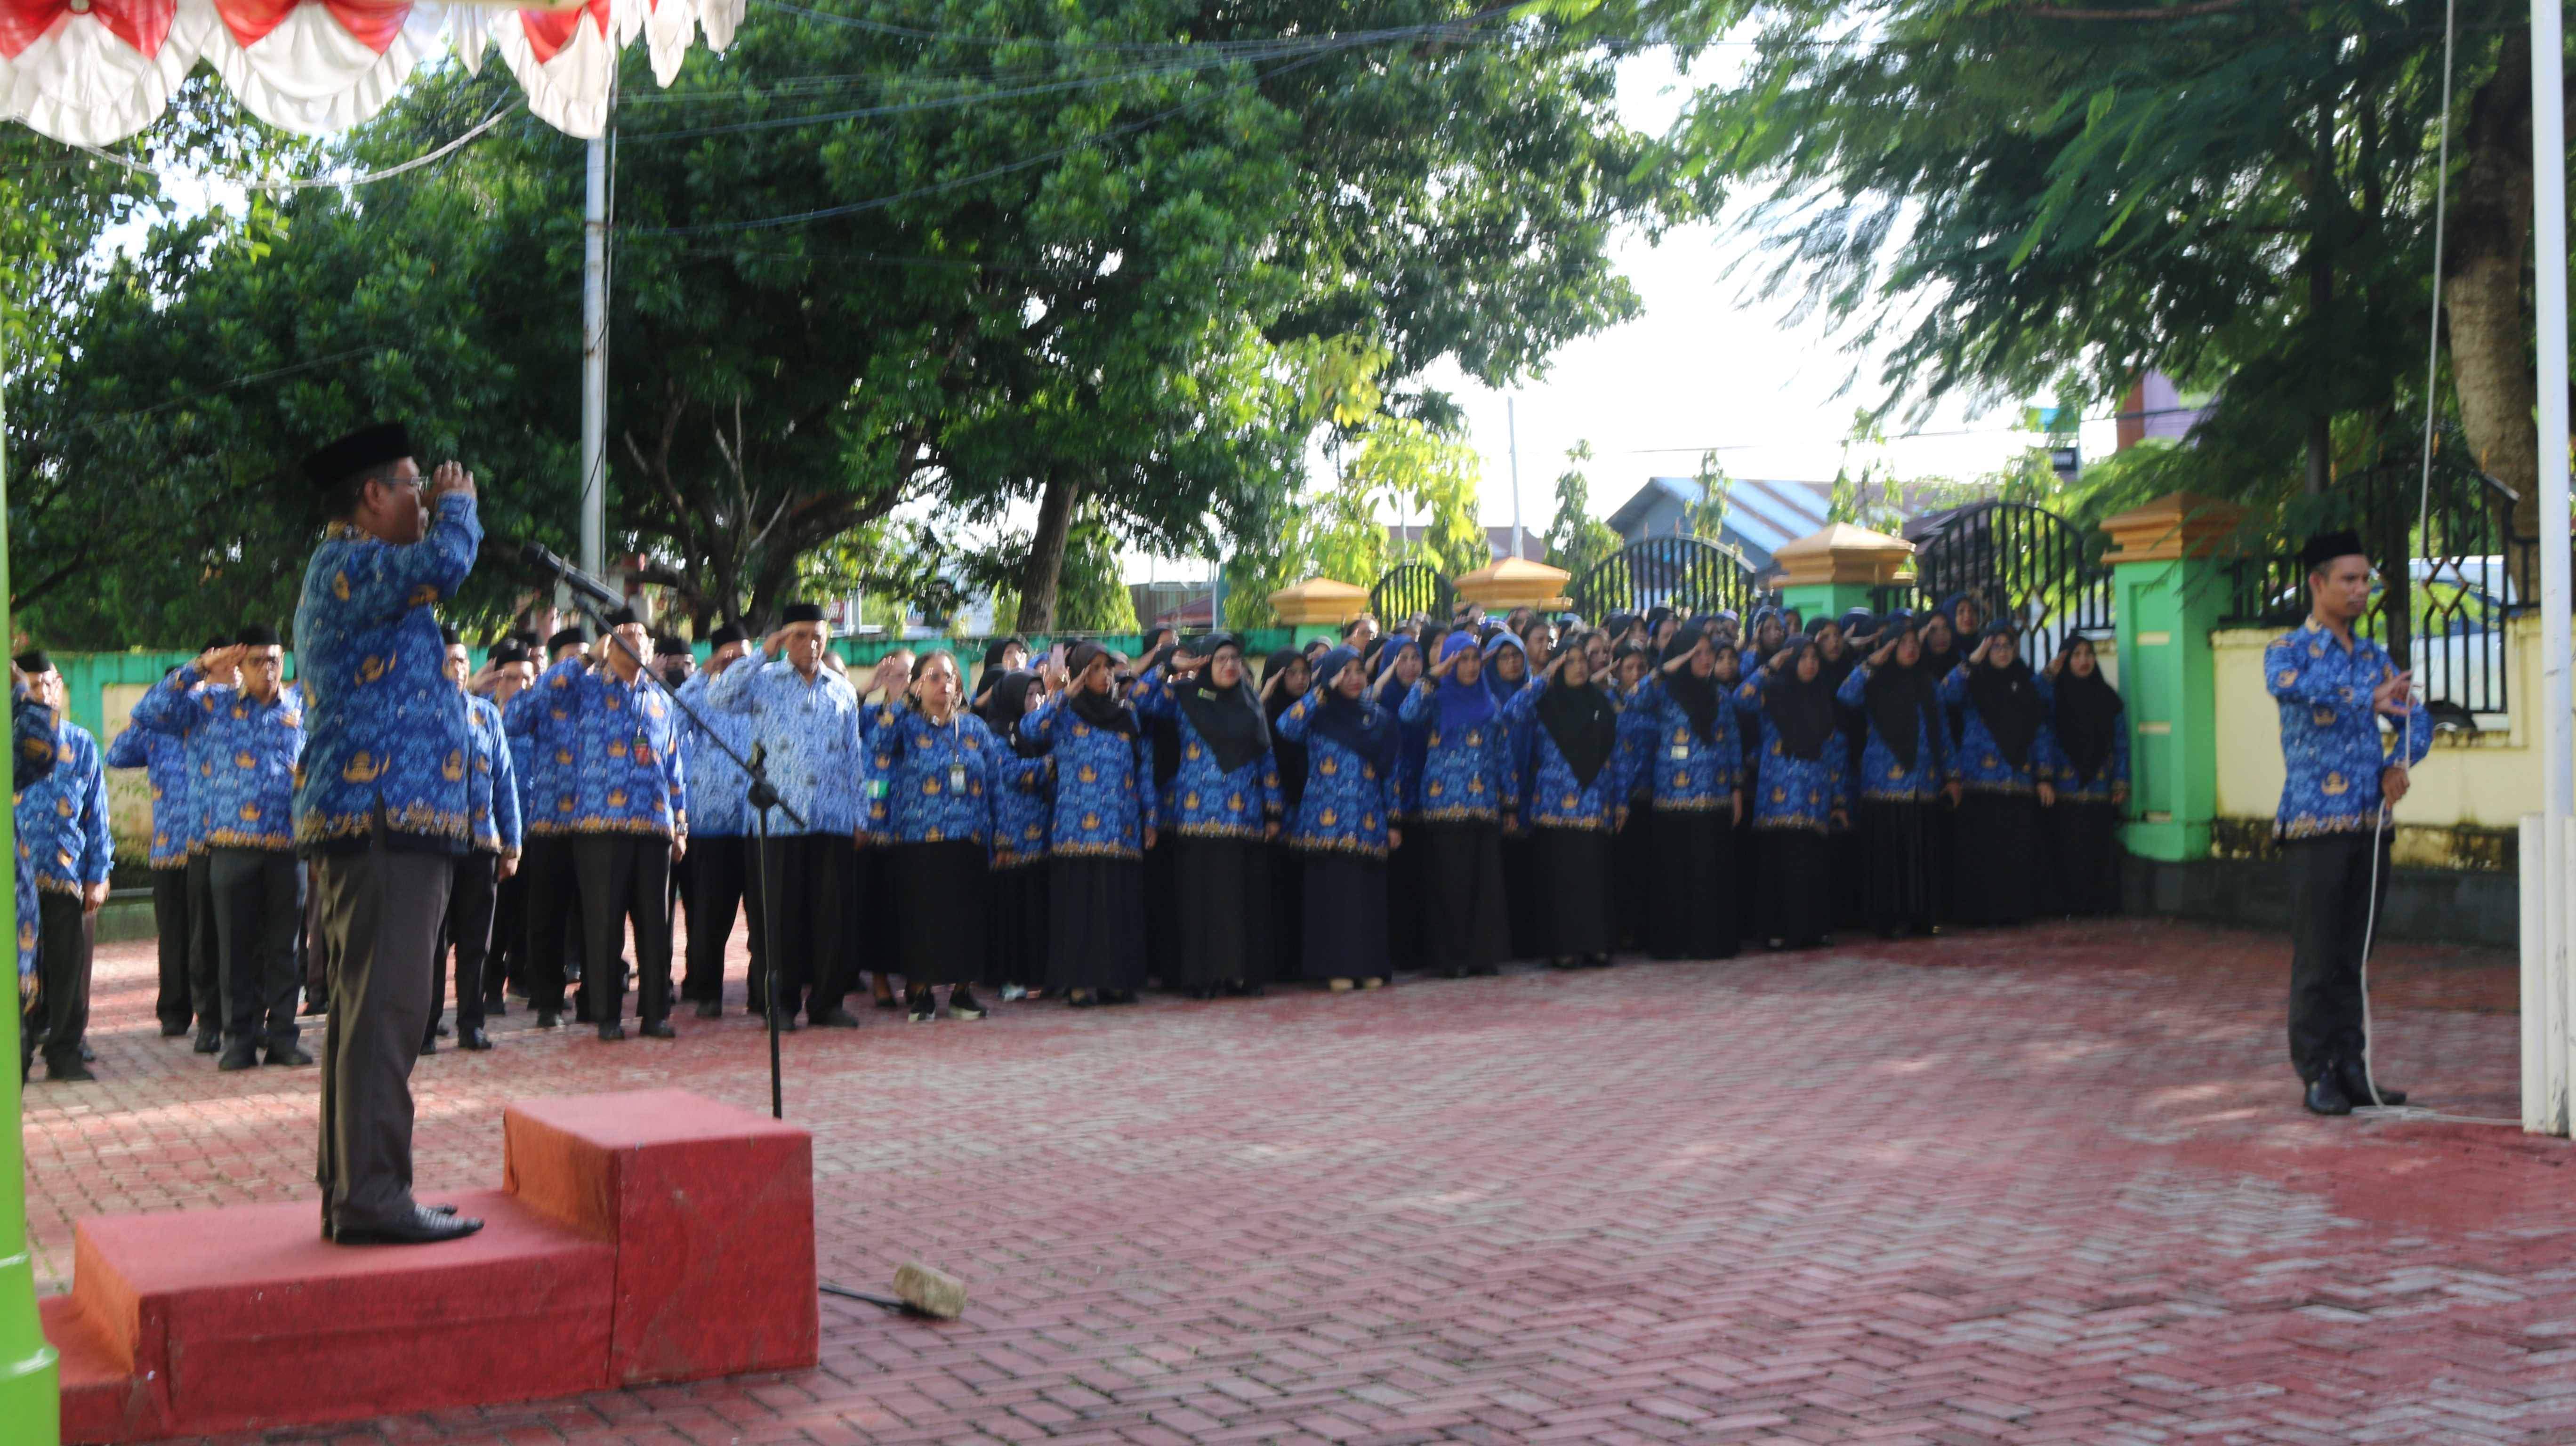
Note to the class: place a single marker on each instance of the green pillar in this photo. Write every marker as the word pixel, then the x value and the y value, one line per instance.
pixel 2168 594
pixel 1815 600
pixel 30 1391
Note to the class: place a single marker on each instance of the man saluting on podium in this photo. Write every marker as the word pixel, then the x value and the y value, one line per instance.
pixel 380 806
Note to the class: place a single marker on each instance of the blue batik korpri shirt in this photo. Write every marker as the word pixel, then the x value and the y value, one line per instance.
pixel 31 762
pixel 809 731
pixel 625 772
pixel 1984 764
pixel 1466 752
pixel 62 818
pixel 492 790
pixel 1350 801
pixel 1690 773
pixel 164 761
pixel 717 784
pixel 1104 782
pixel 385 730
pixel 242 755
pixel 928 782
pixel 1204 798
pixel 2330 737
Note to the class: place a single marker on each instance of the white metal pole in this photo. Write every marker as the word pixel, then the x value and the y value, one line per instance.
pixel 594 365
pixel 1512 441
pixel 2557 708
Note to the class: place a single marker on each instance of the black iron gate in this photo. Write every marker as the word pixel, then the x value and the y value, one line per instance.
pixel 2018 561
pixel 1687 574
pixel 1410 588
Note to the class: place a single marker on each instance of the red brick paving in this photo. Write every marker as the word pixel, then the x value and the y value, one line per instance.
pixel 2043 1186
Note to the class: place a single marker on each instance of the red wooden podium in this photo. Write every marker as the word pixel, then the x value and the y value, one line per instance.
pixel 640 1237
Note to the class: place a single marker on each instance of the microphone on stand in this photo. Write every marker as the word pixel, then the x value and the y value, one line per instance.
pixel 544 559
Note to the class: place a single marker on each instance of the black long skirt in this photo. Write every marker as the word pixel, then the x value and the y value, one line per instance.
pixel 1574 917
pixel 1404 871
pixel 1158 895
pixel 1523 886
pixel 1632 875
pixel 1899 874
pixel 1847 857
pixel 1287 914
pixel 1465 923
pixel 1800 896
pixel 1345 917
pixel 1096 924
pixel 1996 871
pixel 2084 851
pixel 1221 896
pixel 940 929
pixel 1941 867
pixel 1015 949
pixel 1693 910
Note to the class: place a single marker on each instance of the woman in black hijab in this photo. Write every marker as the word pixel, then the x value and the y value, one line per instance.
pixel 1801 797
pixel 2004 743
pixel 1697 758
pixel 1578 797
pixel 1905 774
pixel 1223 809
pixel 1285 678
pixel 1002 657
pixel 2092 767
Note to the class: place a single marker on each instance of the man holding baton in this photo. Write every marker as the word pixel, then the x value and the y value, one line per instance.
pixel 382 808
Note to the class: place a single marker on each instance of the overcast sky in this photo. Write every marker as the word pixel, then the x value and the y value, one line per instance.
pixel 1704 365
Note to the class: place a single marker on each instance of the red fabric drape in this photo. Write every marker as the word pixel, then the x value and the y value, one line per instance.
pixel 549 31
pixel 143 24
pixel 375 23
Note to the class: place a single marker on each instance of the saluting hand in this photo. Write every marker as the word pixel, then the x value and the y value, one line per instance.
pixel 2047 794
pixel 450 477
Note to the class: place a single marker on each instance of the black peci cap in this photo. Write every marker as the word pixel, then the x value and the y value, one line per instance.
pixel 371 446
pixel 257 635
pixel 2325 547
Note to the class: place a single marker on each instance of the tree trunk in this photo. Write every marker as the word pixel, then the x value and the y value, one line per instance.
pixel 2482 291
pixel 1045 569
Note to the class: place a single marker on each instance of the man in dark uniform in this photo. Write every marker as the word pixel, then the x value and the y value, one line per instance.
pixel 2333 688
pixel 382 808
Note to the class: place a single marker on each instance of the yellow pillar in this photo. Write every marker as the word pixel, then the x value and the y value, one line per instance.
pixel 1318 606
pixel 1514 582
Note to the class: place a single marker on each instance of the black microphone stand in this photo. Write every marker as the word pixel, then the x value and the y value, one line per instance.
pixel 760 793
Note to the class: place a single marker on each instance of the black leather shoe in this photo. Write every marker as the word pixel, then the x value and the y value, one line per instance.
pixel 429 1044
pixel 290 1057
pixel 425 1227
pixel 72 1073
pixel 474 1038
pixel 171 1030
pixel 2356 1085
pixel 549 1019
pixel 610 1031
pixel 496 1006
pixel 239 1056
pixel 210 1041
pixel 658 1029
pixel 710 1009
pixel 836 1018
pixel 2326 1097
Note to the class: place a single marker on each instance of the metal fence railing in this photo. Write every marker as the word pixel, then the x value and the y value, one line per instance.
pixel 2447 583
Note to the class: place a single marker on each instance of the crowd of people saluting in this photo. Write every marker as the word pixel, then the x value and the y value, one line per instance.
pixel 1445 798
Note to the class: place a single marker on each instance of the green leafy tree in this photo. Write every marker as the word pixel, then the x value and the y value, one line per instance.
pixel 1706 517
pixel 2239 195
pixel 1576 539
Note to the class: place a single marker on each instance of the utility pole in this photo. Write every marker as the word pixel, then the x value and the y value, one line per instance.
pixel 594 364
pixel 1512 441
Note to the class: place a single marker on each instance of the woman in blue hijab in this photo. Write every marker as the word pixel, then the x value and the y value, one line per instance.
pixel 1507 674
pixel 1397 668
pixel 1455 829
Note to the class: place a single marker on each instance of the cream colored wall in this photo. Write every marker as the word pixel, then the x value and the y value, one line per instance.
pixel 2485 780
pixel 129 793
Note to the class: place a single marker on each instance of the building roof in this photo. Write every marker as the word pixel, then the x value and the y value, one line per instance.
pixel 1762 515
